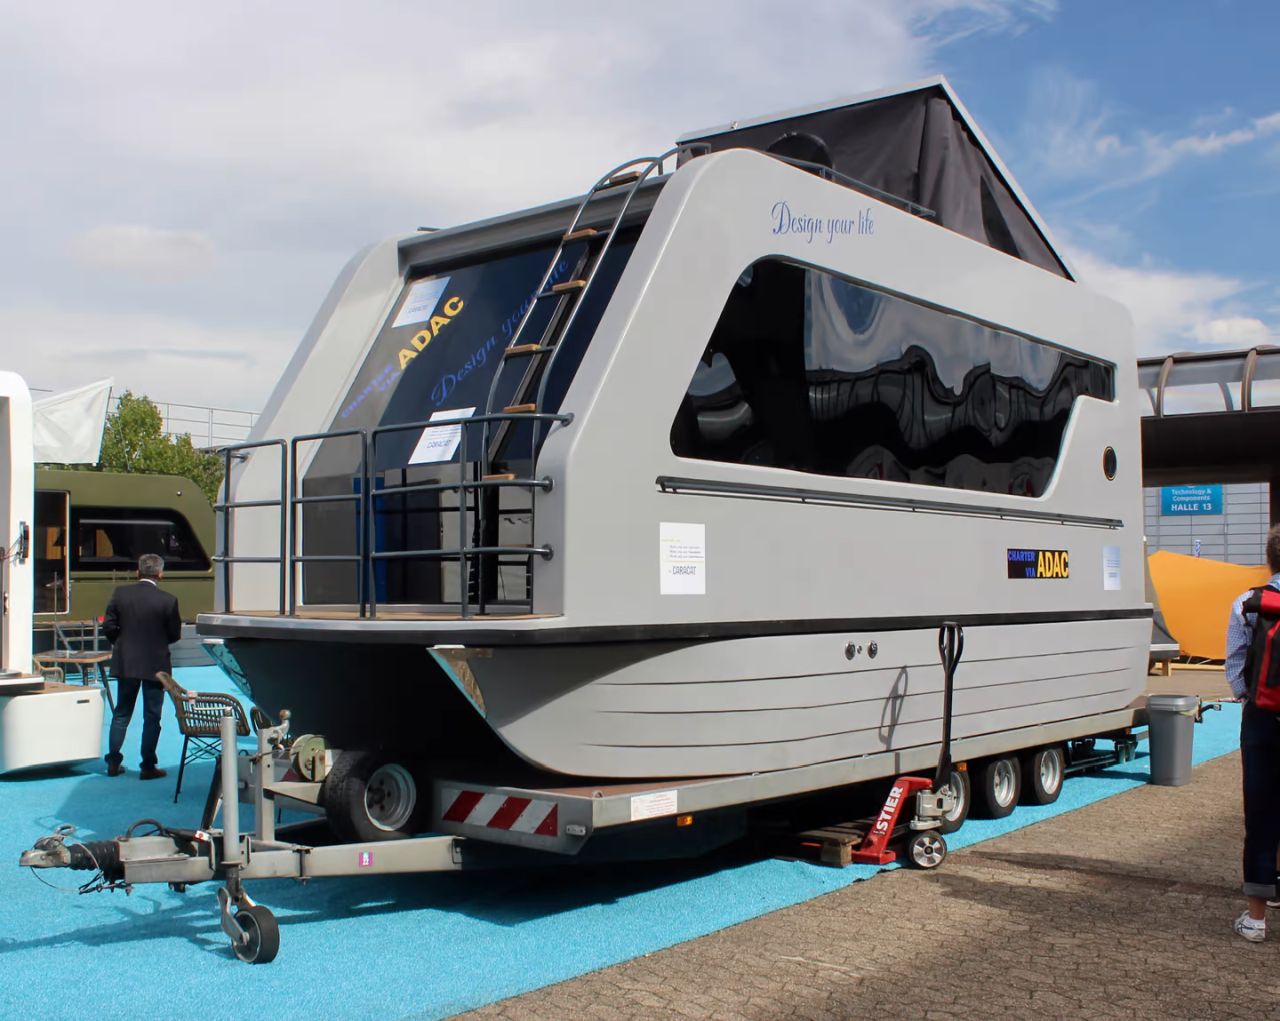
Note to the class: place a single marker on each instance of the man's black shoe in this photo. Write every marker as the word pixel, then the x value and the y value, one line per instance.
pixel 151 773
pixel 115 769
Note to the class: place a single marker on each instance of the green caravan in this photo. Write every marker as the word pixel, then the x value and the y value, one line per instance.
pixel 90 529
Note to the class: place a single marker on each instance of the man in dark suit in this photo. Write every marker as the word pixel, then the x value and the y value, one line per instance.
pixel 141 623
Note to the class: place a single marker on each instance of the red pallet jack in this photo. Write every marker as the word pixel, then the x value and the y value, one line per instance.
pixel 868 841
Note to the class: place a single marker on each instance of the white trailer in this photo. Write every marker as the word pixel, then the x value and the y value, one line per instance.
pixel 40 724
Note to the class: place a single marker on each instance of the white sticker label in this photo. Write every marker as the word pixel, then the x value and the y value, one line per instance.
pixel 650 806
pixel 1111 568
pixel 438 442
pixel 421 301
pixel 682 559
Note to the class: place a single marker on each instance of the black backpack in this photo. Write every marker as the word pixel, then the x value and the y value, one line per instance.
pixel 1262 663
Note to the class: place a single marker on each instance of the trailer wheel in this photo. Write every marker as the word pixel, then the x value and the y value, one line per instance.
pixel 263 932
pixel 926 849
pixel 1042 776
pixel 962 788
pixel 998 787
pixel 367 797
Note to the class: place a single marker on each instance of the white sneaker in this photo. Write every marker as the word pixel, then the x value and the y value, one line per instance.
pixel 1250 928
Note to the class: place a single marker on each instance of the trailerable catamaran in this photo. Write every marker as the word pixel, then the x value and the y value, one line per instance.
pixel 679 479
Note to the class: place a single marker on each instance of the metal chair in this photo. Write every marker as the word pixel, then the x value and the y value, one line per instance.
pixel 200 716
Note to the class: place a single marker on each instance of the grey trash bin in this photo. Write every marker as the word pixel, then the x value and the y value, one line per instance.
pixel 1172 722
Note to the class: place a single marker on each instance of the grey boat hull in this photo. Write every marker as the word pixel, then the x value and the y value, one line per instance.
pixel 649 709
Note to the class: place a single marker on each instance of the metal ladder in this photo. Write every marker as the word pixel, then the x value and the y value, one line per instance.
pixel 538 357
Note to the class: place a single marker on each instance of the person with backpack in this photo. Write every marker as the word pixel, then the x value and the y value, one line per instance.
pixel 1253 671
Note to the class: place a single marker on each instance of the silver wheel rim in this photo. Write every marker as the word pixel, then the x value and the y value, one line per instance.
pixel 927 851
pixel 1003 783
pixel 956 786
pixel 1050 772
pixel 390 796
pixel 248 950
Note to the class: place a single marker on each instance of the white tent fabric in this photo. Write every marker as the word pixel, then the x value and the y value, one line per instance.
pixel 67 427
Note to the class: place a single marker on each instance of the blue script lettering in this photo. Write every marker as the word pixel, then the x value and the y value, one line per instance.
pixel 440 392
pixel 786 222
pixel 809 227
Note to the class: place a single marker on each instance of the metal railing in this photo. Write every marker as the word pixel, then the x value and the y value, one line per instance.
pixel 464 551
pixel 226 507
pixel 297 499
pixel 470 555
pixel 209 428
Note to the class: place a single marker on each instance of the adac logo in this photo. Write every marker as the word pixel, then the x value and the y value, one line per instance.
pixel 425 336
pixel 1039 563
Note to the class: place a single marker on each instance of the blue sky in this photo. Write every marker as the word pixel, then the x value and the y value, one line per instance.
pixel 182 184
pixel 1148 135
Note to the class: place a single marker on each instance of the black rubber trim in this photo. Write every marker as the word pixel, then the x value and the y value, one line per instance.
pixel 438 633
pixel 752 490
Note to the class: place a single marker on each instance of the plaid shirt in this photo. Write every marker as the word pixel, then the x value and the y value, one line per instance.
pixel 1239 637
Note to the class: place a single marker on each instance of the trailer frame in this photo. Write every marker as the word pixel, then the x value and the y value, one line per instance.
pixel 659 814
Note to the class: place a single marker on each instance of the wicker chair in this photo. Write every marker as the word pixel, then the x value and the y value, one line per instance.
pixel 200 716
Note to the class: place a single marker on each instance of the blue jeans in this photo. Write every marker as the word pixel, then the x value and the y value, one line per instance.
pixel 152 706
pixel 1260 761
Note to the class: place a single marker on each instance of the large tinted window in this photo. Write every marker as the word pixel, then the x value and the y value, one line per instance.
pixel 113 538
pixel 436 356
pixel 49 551
pixel 812 372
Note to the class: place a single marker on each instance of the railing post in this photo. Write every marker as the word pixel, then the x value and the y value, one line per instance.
pixel 293 526
pixel 371 536
pixel 284 524
pixel 462 525
pixel 361 521
pixel 226 532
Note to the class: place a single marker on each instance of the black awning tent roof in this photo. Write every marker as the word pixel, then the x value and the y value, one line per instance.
pixel 918 143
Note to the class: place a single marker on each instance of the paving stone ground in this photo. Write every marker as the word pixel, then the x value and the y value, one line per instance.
pixel 1119 910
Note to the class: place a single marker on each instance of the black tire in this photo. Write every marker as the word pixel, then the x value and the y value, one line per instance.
pixel 926 849
pixel 368 797
pixel 961 784
pixel 263 930
pixel 996 787
pixel 1042 774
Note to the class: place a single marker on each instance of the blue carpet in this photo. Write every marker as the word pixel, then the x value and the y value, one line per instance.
pixel 395 947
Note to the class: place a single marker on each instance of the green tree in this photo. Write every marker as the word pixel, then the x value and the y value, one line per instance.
pixel 134 441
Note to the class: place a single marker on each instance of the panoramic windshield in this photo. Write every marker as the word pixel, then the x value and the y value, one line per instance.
pixel 436 354
pixel 435 359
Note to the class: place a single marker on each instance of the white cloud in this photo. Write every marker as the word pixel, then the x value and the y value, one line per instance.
pixel 1162 152
pixel 1175 310
pixel 294 133
pixel 148 252
pixel 487 110
pixel 953 21
pixel 164 357
pixel 1236 331
pixel 1074 133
